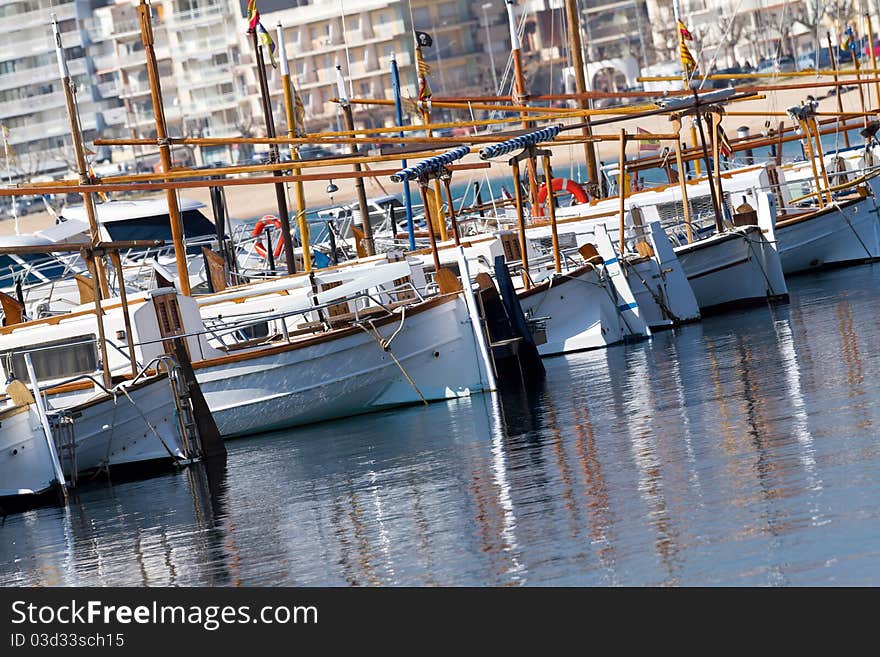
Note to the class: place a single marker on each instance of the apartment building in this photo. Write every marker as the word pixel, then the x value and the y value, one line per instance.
pixel 361 36
pixel 197 46
pixel 32 103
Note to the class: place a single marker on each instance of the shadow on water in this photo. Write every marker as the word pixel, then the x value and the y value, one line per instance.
pixel 741 450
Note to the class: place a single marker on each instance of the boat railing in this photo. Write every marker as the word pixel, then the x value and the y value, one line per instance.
pixel 221 328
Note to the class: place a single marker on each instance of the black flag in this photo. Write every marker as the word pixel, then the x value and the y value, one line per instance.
pixel 424 39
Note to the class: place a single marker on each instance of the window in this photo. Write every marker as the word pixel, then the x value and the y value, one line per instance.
pixel 57 359
pixel 353 23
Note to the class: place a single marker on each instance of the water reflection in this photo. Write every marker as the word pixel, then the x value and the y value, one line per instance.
pixel 739 451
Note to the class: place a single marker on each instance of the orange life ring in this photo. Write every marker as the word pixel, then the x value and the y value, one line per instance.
pixel 559 184
pixel 266 220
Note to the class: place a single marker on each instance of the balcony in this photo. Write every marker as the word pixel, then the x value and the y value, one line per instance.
pixel 108 89
pixel 53 128
pixel 115 116
pixel 206 14
pixel 207 76
pixel 32 104
pixel 214 103
pixel 41 17
pixel 39 74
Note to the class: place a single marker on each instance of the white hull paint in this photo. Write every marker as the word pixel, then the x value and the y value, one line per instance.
pixel 113 431
pixel 580 312
pixel 26 467
pixel 838 236
pixel 347 375
pixel 738 267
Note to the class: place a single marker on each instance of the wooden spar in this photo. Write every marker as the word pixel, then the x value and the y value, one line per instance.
pixel 716 155
pixel 682 181
pixel 79 154
pixel 76 247
pixel 363 208
pixel 716 202
pixel 837 95
pixel 430 143
pixel 520 87
pixel 177 235
pixel 423 190
pixel 739 145
pixel 808 144
pixel 91 263
pixel 450 204
pixel 861 88
pixel 280 191
pixel 621 188
pixel 873 59
pixel 551 212
pixel 521 222
pixel 814 133
pixel 737 76
pixel 298 188
pixel 572 18
pixel 54 188
pixel 123 298
pixel 466 106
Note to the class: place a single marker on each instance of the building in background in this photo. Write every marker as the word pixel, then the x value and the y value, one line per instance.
pixel 32 103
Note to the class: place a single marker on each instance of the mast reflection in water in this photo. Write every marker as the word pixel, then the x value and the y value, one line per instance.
pixel 739 451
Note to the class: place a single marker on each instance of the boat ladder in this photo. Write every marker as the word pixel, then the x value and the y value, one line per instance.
pixel 189 430
pixel 63 431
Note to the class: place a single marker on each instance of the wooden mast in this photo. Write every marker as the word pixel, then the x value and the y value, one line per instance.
pixel 280 192
pixel 520 88
pixel 177 235
pixel 95 270
pixel 572 16
pixel 298 188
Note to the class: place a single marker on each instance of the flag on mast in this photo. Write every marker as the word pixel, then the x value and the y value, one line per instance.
pixel 688 63
pixel 423 39
pixel 724 144
pixel 266 40
pixel 253 15
pixel 647 145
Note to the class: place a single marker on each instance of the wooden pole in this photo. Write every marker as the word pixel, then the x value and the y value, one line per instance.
pixel 621 188
pixel 814 133
pixel 280 192
pixel 808 145
pixel 89 258
pixel 551 211
pixel 521 222
pixel 858 81
pixel 79 155
pixel 520 86
pixel 716 203
pixel 450 204
pixel 298 187
pixel 572 17
pixel 682 181
pixel 123 298
pixel 873 59
pixel 177 234
pixel 837 95
pixel 716 155
pixel 423 190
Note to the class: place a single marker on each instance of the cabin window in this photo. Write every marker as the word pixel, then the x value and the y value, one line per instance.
pixel 56 359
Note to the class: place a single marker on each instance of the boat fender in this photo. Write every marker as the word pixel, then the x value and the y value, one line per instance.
pixel 267 220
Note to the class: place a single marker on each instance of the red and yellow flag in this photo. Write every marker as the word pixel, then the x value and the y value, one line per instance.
pixel 253 15
pixel 688 63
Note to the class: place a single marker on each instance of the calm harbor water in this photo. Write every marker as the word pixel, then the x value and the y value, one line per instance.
pixel 740 451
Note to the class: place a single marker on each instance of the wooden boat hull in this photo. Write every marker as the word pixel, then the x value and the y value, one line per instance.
pixel 112 432
pixel 26 469
pixel 835 237
pixel 346 372
pixel 736 268
pixel 580 313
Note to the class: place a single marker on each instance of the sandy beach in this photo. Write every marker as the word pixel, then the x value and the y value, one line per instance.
pixel 249 201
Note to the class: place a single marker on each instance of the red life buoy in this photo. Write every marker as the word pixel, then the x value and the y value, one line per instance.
pixel 579 193
pixel 266 220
